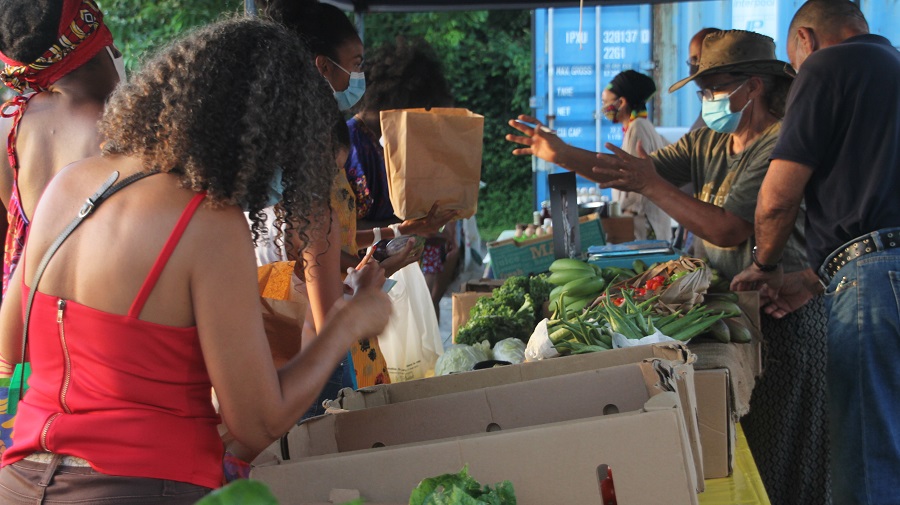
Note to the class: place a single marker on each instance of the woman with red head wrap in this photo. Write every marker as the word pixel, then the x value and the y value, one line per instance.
pixel 60 57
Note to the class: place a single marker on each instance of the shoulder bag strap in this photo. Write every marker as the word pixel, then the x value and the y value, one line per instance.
pixel 109 187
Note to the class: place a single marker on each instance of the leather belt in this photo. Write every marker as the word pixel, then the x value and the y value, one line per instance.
pixel 875 241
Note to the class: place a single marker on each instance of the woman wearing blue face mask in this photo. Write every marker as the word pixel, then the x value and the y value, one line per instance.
pixel 332 38
pixel 338 56
pixel 743 89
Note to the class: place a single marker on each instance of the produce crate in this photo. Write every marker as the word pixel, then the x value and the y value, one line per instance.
pixel 509 257
pixel 676 354
pixel 547 436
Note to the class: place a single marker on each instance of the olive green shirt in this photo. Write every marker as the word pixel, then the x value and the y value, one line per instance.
pixel 702 158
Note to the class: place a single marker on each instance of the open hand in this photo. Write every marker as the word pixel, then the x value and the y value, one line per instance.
pixel 798 289
pixel 431 223
pixel 625 172
pixel 537 142
pixel 368 273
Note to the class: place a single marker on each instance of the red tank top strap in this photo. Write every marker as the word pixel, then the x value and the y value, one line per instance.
pixel 150 282
pixel 19 102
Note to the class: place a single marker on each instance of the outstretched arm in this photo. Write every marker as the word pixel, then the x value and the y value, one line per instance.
pixel 552 149
pixel 638 174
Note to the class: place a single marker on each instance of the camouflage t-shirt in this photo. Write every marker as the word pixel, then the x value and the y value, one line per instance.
pixel 702 158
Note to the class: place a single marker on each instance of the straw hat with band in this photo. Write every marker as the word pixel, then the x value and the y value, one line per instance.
pixel 740 52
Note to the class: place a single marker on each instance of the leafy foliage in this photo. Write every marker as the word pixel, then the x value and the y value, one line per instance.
pixel 139 26
pixel 461 489
pixel 487 60
pixel 510 311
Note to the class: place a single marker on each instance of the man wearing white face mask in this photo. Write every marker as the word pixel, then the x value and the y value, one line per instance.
pixel 743 89
pixel 61 57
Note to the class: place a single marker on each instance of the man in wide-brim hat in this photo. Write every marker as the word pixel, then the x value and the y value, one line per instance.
pixel 743 88
pixel 730 51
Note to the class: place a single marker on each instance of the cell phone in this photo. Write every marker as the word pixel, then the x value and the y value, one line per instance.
pixel 389 247
pixel 542 127
pixel 388 284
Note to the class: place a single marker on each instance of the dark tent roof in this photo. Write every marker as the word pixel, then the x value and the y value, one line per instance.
pixel 446 5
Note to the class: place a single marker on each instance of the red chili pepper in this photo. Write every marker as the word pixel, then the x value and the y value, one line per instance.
pixel 640 291
pixel 618 301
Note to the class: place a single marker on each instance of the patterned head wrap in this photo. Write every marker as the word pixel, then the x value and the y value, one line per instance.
pixel 82 35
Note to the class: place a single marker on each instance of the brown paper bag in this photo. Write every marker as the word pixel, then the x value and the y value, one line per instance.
pixel 283 309
pixel 432 156
pixel 462 305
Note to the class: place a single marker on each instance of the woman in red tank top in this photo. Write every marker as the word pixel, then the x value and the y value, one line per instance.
pixel 153 299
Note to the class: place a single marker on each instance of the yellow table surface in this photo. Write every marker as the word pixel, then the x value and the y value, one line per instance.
pixel 744 487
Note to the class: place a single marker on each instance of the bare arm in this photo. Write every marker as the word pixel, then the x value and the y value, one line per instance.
pixel 707 221
pixel 11 325
pixel 259 403
pixel 322 259
pixel 776 211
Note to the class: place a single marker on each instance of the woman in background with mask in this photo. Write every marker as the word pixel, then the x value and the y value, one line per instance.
pixel 60 56
pixel 625 102
pixel 338 55
pixel 743 90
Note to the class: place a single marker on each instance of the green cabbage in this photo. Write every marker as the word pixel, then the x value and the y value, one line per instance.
pixel 510 349
pixel 461 358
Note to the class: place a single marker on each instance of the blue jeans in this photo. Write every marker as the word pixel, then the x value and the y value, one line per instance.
pixel 863 375
pixel 342 377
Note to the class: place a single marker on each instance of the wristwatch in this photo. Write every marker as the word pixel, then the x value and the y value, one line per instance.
pixel 762 267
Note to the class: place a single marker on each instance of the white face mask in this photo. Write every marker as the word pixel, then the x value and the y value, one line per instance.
pixel 119 63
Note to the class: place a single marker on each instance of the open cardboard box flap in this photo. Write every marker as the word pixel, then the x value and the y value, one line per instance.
pixel 680 358
pixel 387 394
pixel 647 450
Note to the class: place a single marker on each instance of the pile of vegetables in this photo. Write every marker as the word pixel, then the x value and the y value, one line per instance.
pixel 511 311
pixel 461 489
pixel 578 283
pixel 671 299
pixel 463 357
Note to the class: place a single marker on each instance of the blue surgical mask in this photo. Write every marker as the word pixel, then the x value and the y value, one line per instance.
pixel 273 193
pixel 357 88
pixel 718 116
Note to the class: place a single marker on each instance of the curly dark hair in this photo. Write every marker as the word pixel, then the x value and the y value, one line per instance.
pixel 405 74
pixel 323 27
pixel 226 105
pixel 28 27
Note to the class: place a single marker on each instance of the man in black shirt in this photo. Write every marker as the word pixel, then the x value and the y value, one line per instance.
pixel 840 149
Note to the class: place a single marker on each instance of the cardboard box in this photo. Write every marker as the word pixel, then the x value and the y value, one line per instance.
pixel 618 229
pixel 552 437
pixel 717 424
pixel 509 257
pixel 462 304
pixel 679 357
pixel 723 380
pixel 481 285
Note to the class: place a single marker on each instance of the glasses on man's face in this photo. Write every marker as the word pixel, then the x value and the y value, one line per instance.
pixel 708 94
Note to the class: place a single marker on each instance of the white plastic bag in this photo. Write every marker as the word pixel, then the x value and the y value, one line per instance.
pixel 539 345
pixel 411 342
pixel 620 340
